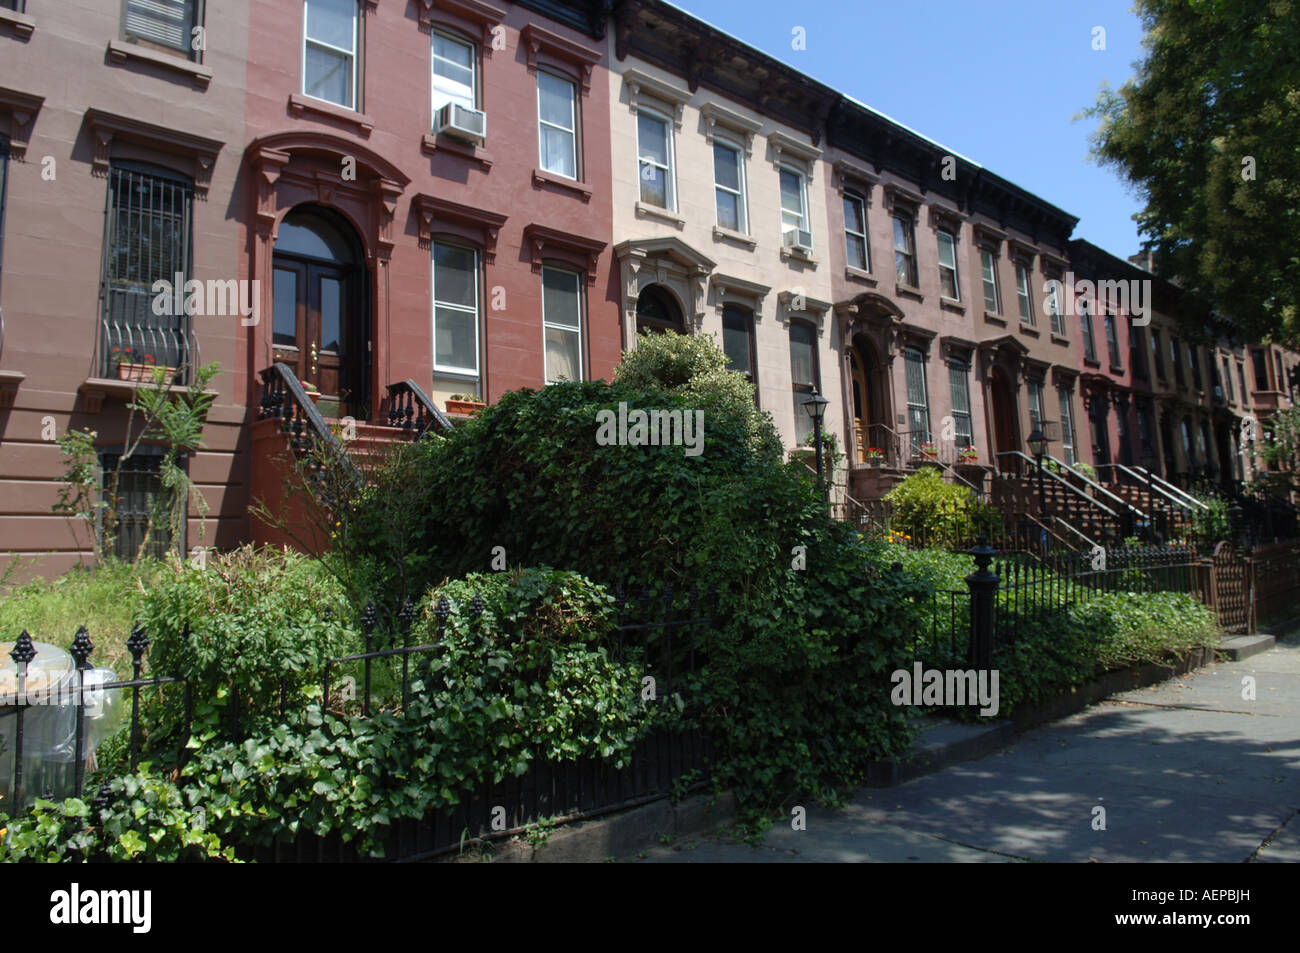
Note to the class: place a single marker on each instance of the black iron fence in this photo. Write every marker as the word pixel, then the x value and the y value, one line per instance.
pixel 663 625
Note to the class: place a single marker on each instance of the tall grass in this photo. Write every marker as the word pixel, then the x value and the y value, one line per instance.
pixel 104 599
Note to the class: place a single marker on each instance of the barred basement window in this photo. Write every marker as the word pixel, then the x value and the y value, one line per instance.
pixel 169 23
pixel 148 231
pixel 139 489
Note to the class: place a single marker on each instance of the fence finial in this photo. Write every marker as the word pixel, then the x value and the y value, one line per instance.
pixel 82 647
pixel 138 643
pixel 23 651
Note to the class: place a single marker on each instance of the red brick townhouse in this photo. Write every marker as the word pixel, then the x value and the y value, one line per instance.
pixel 369 191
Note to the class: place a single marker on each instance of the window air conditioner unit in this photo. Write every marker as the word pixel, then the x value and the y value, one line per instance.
pixel 799 240
pixel 455 120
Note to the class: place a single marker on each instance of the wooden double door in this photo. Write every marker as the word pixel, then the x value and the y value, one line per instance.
pixel 320 321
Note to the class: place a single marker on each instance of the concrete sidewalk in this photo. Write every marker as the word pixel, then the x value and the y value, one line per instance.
pixel 1186 771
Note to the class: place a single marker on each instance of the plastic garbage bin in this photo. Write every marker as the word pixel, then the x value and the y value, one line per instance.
pixel 50 701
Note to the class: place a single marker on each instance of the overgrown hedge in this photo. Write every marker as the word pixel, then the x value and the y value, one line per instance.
pixel 1064 648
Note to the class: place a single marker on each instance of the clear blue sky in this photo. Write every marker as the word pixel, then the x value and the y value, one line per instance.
pixel 998 81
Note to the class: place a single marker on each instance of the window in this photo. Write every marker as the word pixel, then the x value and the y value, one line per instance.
pixel 1261 369
pixel 992 296
pixel 1158 353
pixel 1112 342
pixel 329 54
pixel 729 186
pixel 655 151
pixel 794 203
pixel 738 340
pixel 1069 440
pixel 1054 306
pixel 1035 389
pixel 905 250
pixel 1136 352
pixel 1241 379
pixel 16 5
pixel 169 23
pixel 562 324
pixel 856 251
pixel 948 266
pixel 455 309
pixel 803 377
pixel 1175 358
pixel 1022 294
pixel 557 125
pixel 959 387
pixel 1189 450
pixel 918 401
pixel 1281 374
pixel 140 496
pixel 453 73
pixel 148 231
pixel 1194 362
pixel 1146 430
pixel 1085 328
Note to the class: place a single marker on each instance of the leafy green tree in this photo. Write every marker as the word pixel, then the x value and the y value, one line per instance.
pixel 1209 134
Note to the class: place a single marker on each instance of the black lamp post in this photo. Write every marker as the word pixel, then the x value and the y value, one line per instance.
pixel 1038 447
pixel 816 407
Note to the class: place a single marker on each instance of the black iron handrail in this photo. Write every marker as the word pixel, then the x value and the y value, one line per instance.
pixel 412 410
pixel 284 399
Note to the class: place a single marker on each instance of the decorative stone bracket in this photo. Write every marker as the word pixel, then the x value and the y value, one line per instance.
pixel 429 210
pixel 105 128
pixel 17 117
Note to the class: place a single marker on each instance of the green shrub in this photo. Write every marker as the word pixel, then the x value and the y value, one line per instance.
pixel 147 819
pixel 939 513
pixel 532 678
pixel 694 367
pixel 244 622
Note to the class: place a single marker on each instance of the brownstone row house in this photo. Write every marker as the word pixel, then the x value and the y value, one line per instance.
pixel 399 201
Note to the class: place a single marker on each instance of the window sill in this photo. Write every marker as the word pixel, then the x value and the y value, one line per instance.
pixel 653 211
pixel 994 318
pixel 299 104
pixel 857 274
pixel 431 145
pixel 95 389
pixel 721 234
pixel 1092 362
pixel 22 25
pixel 1057 339
pixel 120 51
pixel 952 304
pixel 542 177
pixel 908 291
pixel 1114 369
pixel 1030 330
pixel 803 258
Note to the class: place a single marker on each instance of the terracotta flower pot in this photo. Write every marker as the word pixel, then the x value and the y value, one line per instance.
pixel 143 373
pixel 464 406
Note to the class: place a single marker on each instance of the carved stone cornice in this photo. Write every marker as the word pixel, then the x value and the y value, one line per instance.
pixel 429 210
pixel 17 117
pixel 106 128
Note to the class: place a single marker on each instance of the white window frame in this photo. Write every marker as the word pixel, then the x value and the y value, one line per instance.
pixel 670 150
pixel 940 234
pixel 992 260
pixel 573 131
pixel 742 200
pixel 804 221
pixel 433 76
pixel 352 55
pixel 451 306
pixel 851 196
pixel 1057 318
pixel 582 364
pixel 1023 295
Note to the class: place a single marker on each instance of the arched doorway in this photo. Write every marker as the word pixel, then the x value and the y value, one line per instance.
pixel 868 398
pixel 1006 427
pixel 320 323
pixel 657 312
